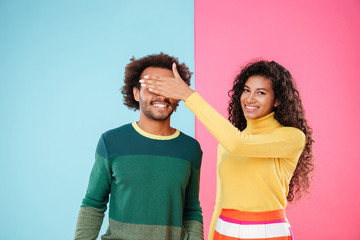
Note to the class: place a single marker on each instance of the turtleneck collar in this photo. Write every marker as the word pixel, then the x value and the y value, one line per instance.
pixel 262 125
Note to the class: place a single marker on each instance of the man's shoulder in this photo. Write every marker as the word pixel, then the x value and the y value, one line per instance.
pixel 192 149
pixel 190 140
pixel 114 141
pixel 121 131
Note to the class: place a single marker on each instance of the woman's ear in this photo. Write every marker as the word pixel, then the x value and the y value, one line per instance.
pixel 277 103
pixel 136 93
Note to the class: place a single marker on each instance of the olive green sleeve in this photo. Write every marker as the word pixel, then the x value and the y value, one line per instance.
pixel 89 223
pixel 193 230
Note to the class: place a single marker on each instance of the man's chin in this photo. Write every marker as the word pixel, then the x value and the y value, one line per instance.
pixel 161 117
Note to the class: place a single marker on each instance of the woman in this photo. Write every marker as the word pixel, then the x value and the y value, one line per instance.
pixel 264 153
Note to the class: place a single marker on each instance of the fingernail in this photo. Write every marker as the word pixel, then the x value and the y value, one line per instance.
pixel 143 85
pixel 150 89
pixel 146 77
pixel 141 81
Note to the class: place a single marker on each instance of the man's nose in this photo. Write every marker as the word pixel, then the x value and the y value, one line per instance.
pixel 161 97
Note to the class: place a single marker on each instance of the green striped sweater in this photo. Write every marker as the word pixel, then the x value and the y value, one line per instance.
pixel 152 183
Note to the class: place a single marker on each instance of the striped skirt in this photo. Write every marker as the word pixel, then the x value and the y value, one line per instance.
pixel 239 225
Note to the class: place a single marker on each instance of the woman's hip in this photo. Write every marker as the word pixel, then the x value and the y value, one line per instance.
pixel 240 225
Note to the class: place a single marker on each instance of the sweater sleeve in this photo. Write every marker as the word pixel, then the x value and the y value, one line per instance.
pixel 93 206
pixel 89 223
pixel 281 143
pixel 217 208
pixel 193 220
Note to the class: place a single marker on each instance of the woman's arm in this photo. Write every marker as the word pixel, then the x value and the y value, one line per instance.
pixel 285 142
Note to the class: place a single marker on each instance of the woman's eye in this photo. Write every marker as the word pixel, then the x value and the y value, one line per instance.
pixel 261 93
pixel 246 90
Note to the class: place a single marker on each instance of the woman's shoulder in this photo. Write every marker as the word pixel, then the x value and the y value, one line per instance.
pixel 291 133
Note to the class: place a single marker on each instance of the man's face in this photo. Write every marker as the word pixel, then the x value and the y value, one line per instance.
pixel 153 106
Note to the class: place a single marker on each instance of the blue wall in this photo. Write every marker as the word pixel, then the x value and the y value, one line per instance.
pixel 61 68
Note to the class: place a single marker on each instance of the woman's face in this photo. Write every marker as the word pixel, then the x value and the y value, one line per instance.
pixel 257 99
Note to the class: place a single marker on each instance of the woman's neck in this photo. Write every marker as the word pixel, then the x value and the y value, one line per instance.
pixel 263 124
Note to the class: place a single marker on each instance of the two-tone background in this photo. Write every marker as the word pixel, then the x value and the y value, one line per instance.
pixel 62 65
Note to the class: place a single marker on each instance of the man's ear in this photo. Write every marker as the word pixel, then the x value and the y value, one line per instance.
pixel 277 103
pixel 136 93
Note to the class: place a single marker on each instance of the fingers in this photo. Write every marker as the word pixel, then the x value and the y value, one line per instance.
pixel 148 83
pixel 155 81
pixel 175 71
pixel 151 85
pixel 158 78
pixel 152 88
pixel 158 92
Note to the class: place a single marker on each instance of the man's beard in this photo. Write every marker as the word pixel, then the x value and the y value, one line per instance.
pixel 146 109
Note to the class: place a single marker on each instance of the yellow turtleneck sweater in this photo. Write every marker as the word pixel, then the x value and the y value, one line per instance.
pixel 255 165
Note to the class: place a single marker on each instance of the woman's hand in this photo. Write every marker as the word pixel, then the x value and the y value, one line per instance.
pixel 168 87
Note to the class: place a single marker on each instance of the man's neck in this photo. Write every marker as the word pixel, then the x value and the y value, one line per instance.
pixel 160 128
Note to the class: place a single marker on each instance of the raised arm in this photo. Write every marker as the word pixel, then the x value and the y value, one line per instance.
pixel 286 142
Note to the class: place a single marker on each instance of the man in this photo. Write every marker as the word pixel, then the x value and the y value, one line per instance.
pixel 151 169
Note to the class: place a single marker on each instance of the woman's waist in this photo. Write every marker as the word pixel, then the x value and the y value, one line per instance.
pixel 252 216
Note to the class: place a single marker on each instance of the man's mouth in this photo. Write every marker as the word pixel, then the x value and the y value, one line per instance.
pixel 161 105
pixel 158 105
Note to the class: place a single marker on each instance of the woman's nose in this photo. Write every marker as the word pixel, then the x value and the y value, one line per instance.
pixel 250 98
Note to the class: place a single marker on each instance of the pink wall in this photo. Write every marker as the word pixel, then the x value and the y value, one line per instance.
pixel 319 42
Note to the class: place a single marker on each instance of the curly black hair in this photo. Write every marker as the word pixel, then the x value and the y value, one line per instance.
pixel 135 68
pixel 290 113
